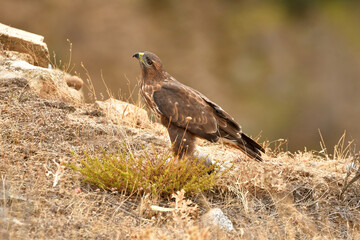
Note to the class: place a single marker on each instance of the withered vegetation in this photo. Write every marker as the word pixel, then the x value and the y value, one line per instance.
pixel 289 196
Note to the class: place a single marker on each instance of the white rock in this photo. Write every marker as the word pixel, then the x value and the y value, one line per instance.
pixel 216 217
pixel 202 156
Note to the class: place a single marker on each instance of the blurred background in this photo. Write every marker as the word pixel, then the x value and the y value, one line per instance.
pixel 283 69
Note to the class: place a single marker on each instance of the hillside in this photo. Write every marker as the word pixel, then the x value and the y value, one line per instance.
pixel 289 196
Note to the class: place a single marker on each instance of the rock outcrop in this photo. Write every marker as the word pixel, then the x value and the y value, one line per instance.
pixel 31 46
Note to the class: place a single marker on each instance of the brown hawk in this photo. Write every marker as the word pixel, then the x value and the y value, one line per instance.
pixel 187 113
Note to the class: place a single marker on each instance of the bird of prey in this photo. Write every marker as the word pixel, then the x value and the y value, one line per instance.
pixel 186 113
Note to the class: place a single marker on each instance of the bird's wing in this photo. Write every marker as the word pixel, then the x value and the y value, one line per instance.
pixel 185 108
pixel 230 129
pixel 223 118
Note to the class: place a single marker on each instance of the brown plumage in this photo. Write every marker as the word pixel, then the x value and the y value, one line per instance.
pixel 187 113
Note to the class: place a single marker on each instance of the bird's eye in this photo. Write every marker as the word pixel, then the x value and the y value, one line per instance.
pixel 148 61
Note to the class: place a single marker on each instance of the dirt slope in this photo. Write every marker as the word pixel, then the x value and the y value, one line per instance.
pixel 290 196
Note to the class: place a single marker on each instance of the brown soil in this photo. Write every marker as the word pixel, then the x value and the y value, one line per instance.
pixel 289 196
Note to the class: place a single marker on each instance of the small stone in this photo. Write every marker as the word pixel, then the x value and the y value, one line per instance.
pixel 74 82
pixel 216 217
pixel 201 156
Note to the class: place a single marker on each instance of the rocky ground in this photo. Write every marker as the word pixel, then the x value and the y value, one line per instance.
pixel 44 122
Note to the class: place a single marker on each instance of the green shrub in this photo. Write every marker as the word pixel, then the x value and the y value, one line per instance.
pixel 158 174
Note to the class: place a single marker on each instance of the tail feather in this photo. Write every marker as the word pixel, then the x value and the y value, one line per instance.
pixel 250 147
pixel 245 143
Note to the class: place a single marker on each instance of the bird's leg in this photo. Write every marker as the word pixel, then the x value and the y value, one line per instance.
pixel 183 142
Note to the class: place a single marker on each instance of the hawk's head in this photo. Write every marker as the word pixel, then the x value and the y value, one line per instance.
pixel 151 65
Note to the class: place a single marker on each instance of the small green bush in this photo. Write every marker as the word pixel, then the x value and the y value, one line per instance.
pixel 158 174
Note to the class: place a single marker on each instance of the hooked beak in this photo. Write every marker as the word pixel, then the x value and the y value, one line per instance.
pixel 139 56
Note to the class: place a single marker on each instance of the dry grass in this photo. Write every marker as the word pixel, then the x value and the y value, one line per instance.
pixel 289 196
